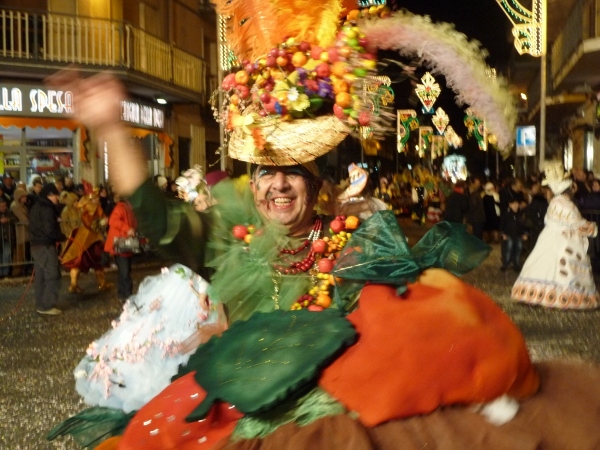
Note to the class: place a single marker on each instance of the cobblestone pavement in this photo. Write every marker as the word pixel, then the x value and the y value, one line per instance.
pixel 38 354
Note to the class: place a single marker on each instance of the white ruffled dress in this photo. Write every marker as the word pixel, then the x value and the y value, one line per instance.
pixel 137 357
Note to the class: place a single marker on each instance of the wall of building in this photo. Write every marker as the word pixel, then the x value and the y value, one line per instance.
pixel 185 24
pixel 38 5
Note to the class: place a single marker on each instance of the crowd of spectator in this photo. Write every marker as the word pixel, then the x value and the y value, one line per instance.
pixel 510 211
pixel 16 202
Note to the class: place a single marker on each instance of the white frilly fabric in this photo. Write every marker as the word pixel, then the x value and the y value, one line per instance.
pixel 135 360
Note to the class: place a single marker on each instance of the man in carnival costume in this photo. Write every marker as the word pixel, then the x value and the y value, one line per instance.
pixel 85 245
pixel 339 336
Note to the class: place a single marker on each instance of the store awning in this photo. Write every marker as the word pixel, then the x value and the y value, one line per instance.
pixel 163 138
pixel 42 122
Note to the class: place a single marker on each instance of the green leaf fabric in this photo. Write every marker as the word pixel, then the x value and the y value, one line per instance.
pixel 448 246
pixel 378 252
pixel 258 363
pixel 92 426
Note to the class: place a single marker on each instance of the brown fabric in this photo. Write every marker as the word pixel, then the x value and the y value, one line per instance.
pixel 564 414
pixel 443 342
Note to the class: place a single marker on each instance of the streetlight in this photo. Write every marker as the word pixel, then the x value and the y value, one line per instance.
pixel 529 30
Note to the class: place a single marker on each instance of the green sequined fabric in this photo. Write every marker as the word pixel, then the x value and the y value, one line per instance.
pixel 257 364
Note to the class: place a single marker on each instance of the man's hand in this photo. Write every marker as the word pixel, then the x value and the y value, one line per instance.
pixel 98 106
pixel 97 98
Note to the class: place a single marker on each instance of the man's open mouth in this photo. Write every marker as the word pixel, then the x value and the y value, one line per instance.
pixel 282 202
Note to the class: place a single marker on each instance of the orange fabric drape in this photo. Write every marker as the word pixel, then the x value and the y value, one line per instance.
pixel 443 342
pixel 44 122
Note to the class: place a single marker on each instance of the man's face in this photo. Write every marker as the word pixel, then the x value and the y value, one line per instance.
pixel 281 195
pixel 8 182
pixel 53 198
pixel 3 207
pixel 37 188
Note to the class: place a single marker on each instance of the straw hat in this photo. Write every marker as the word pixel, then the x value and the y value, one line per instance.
pixel 556 178
pixel 289 143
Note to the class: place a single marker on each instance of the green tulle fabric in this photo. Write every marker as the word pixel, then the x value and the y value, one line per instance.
pixel 378 252
pixel 92 426
pixel 303 411
pixel 245 281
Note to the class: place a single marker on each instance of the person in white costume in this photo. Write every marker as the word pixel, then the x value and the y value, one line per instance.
pixel 558 273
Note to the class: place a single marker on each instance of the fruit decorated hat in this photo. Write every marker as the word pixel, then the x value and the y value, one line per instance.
pixel 305 80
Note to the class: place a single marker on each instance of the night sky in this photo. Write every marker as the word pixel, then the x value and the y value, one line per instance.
pixel 482 20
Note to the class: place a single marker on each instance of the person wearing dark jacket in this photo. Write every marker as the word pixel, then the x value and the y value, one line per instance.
pixel 535 213
pixel 513 191
pixel 457 204
pixel 45 234
pixel 476 214
pixel 514 232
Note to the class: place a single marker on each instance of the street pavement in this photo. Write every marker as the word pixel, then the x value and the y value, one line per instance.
pixel 38 353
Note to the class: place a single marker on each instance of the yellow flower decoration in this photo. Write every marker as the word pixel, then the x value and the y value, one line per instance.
pixel 300 104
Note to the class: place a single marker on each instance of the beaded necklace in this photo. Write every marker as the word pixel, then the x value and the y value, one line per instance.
pixel 309 260
pixel 318 263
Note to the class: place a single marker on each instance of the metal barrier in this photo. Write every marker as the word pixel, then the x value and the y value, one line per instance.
pixel 15 256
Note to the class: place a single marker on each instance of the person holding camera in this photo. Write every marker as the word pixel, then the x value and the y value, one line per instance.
pixel 121 224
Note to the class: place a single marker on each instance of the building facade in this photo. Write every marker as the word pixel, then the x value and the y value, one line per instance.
pixel 573 87
pixel 164 51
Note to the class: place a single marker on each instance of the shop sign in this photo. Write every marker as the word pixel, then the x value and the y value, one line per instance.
pixel 142 115
pixel 526 140
pixel 21 100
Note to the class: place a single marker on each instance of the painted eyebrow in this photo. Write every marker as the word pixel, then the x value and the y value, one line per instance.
pixel 286 171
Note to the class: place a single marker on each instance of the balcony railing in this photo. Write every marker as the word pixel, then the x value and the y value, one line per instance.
pixel 583 23
pixel 42 37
